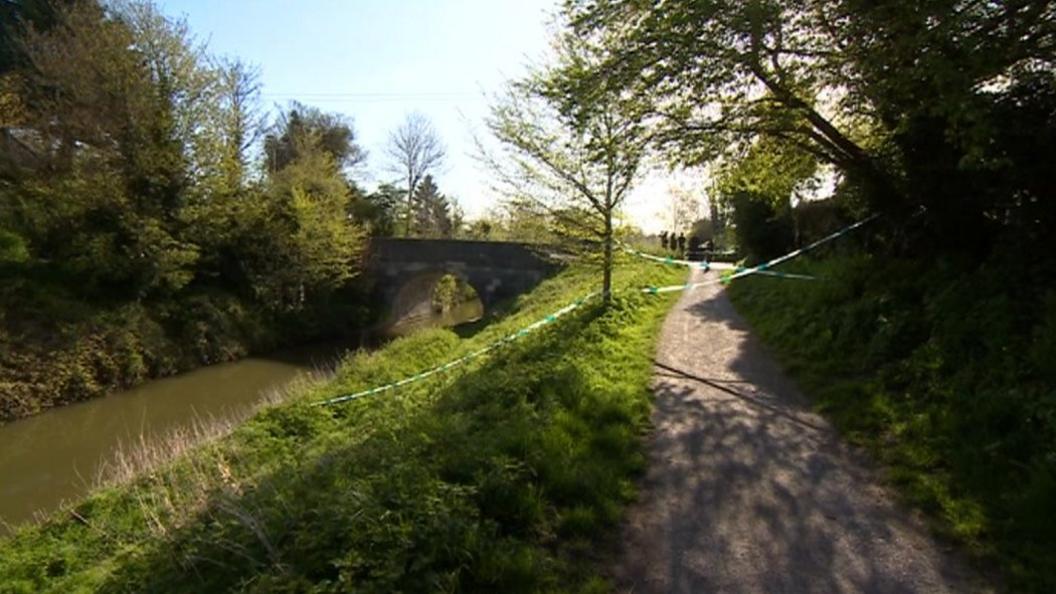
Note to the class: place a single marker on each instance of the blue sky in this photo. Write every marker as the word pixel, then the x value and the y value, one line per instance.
pixel 377 60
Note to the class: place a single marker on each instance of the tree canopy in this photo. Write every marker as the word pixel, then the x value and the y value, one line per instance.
pixel 569 148
pixel 127 168
pixel 911 101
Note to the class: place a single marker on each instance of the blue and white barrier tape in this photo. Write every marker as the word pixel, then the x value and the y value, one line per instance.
pixel 756 269
pixel 464 359
pixel 739 272
pixel 764 268
pixel 703 265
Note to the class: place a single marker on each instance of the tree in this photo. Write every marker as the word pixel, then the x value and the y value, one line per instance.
pixel 775 173
pixel 415 150
pixel 569 148
pixel 901 97
pixel 458 219
pixel 296 238
pixel 434 213
pixel 480 229
pixel 301 129
pixel 16 16
pixel 378 209
pixel 101 115
pixel 129 172
pixel 683 208
pixel 240 121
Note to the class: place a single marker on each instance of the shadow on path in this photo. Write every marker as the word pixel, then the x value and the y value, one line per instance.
pixel 750 491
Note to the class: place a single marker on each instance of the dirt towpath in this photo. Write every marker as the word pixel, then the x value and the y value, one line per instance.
pixel 749 491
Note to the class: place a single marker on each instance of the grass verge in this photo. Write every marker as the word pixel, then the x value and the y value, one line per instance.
pixel 945 372
pixel 501 478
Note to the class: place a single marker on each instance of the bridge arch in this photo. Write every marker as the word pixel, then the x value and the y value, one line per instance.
pixel 495 270
pixel 414 296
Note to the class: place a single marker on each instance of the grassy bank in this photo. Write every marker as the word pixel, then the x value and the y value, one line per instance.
pixel 943 370
pixel 503 476
pixel 57 348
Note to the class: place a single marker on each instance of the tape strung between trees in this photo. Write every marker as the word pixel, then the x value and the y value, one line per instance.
pixel 738 272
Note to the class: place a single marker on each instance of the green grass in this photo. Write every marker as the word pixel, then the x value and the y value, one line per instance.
pixel 945 373
pixel 507 475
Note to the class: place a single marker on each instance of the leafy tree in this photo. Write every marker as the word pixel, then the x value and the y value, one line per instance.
pixel 136 183
pixel 569 148
pixel 239 123
pixel 18 15
pixel 415 150
pixel 301 129
pixel 480 229
pixel 777 174
pixel 901 97
pixel 12 248
pixel 434 213
pixel 378 210
pixel 100 118
pixel 296 238
pixel 458 219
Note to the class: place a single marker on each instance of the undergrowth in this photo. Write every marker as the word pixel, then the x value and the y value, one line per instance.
pixel 505 476
pixel 945 371
pixel 56 348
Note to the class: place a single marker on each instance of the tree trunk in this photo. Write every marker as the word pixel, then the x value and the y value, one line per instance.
pixel 410 206
pixel 606 283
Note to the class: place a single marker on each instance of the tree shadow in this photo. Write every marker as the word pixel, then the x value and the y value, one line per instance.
pixel 750 491
pixel 298 522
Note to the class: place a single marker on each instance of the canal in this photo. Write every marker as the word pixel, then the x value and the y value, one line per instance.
pixel 57 455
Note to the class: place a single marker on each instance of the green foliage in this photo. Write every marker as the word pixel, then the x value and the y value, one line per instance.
pixel 500 477
pixel 945 374
pixel 303 130
pixel 446 293
pixel 13 248
pixel 378 210
pixel 433 213
pixel 516 220
pixel 570 150
pixel 944 104
pixel 124 190
pixel 306 242
pixel 762 231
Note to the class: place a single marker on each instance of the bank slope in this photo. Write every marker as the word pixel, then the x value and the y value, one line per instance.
pixel 502 476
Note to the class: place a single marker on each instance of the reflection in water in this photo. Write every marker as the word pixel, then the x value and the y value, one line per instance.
pixel 469 311
pixel 56 455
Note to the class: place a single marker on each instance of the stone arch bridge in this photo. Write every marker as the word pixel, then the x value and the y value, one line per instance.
pixel 404 271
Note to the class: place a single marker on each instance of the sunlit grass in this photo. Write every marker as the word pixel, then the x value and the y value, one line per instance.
pixel 503 475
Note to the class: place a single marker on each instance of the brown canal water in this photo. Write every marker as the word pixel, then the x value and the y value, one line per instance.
pixel 56 456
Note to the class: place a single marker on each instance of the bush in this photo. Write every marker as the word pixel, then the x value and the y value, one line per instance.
pixel 762 232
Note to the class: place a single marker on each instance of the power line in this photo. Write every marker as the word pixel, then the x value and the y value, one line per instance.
pixel 368 97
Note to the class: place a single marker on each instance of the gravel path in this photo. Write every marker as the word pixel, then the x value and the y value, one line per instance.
pixel 749 491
